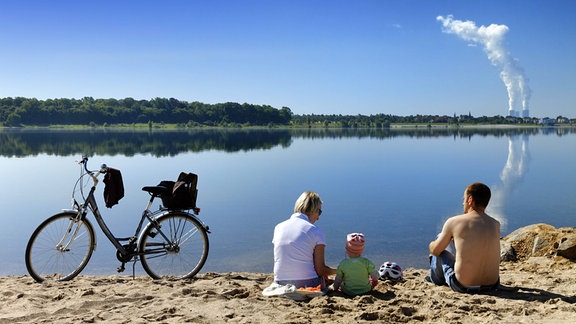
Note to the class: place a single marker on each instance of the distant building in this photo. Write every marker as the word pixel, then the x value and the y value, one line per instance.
pixel 547 121
pixel 525 113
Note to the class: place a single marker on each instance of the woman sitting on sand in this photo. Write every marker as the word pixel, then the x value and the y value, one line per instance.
pixel 299 246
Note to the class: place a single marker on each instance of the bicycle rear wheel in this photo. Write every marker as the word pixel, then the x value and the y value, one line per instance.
pixel 177 248
pixel 59 248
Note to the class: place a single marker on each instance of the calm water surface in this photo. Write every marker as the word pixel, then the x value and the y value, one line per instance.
pixel 397 186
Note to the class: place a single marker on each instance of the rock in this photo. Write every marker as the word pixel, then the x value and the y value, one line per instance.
pixel 507 252
pixel 567 247
pixel 532 240
pixel 539 240
pixel 540 244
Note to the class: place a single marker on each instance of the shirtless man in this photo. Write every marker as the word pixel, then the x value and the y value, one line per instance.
pixel 475 264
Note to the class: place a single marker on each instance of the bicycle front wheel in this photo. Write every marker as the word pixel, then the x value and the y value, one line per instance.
pixel 174 246
pixel 60 248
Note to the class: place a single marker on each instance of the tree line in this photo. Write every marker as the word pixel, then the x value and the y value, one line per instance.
pixel 385 120
pixel 30 111
pixel 21 111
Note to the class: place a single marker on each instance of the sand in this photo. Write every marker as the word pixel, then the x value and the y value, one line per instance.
pixel 538 290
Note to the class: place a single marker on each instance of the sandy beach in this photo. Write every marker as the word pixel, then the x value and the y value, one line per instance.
pixel 538 290
pixel 538 286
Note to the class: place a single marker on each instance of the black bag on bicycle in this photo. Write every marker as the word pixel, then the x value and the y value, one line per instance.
pixel 182 193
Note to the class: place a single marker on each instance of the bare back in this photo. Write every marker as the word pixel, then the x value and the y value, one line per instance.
pixel 477 241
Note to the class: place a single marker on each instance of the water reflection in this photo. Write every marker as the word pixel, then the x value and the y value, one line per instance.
pixel 22 143
pixel 159 143
pixel 512 173
pixel 394 185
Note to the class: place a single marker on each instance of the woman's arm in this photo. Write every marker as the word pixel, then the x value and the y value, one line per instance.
pixel 321 268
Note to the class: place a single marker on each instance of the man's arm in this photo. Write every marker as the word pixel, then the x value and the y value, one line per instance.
pixel 436 247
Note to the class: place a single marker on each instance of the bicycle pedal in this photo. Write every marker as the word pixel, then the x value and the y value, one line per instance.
pixel 120 268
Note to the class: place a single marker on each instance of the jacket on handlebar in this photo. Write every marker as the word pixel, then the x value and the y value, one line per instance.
pixel 114 189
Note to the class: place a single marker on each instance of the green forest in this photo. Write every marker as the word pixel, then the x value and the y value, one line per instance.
pixel 22 112
pixel 89 111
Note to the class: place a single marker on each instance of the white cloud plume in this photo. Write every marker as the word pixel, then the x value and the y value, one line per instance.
pixel 491 38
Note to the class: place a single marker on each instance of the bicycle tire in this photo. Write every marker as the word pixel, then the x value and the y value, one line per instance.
pixel 181 256
pixel 46 258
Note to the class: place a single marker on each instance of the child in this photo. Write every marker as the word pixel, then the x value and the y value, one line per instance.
pixel 356 274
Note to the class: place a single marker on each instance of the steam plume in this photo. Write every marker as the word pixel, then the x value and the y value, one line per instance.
pixel 512 174
pixel 491 38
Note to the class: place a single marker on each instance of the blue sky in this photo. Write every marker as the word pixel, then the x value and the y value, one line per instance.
pixel 322 57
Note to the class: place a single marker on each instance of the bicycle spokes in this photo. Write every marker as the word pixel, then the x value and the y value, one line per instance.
pixel 71 234
pixel 175 246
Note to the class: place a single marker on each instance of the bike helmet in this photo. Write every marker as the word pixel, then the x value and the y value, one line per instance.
pixel 390 270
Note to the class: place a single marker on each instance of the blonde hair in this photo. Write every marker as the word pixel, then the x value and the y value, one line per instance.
pixel 307 203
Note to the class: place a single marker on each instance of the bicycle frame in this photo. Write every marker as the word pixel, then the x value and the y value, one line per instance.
pixel 90 204
pixel 168 242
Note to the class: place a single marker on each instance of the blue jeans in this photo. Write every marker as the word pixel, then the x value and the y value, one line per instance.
pixel 442 273
pixel 314 282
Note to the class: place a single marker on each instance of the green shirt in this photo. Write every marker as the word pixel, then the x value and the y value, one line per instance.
pixel 355 273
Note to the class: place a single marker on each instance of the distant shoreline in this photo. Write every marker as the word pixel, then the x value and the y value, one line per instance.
pixel 175 127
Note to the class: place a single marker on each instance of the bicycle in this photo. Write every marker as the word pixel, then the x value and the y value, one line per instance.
pixel 173 244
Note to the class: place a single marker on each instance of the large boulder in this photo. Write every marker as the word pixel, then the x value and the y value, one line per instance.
pixel 507 252
pixel 567 247
pixel 539 240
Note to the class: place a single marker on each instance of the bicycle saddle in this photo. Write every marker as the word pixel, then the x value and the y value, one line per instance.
pixel 155 190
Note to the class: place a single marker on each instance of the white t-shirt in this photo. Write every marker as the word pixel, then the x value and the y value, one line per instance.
pixel 294 242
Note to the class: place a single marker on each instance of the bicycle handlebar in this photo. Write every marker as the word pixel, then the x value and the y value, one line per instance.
pixel 94 176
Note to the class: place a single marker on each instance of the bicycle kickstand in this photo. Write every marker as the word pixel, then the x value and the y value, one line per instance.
pixel 122 267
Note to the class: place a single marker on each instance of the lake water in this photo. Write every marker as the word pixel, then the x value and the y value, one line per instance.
pixel 396 186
